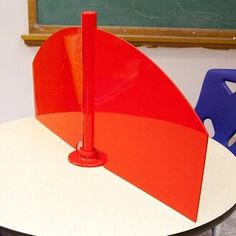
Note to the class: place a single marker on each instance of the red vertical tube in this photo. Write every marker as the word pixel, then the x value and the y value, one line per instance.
pixel 87 155
pixel 89 24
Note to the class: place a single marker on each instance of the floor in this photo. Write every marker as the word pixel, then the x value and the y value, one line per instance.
pixel 227 228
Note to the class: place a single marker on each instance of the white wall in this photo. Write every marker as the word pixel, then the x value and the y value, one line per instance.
pixel 16 99
pixel 186 67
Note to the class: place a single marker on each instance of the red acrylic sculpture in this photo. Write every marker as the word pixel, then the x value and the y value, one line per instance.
pixel 106 93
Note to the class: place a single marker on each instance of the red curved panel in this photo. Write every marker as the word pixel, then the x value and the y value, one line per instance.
pixel 57 71
pixel 126 80
pixel 149 132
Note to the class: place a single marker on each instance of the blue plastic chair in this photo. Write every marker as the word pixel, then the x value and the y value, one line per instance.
pixel 217 103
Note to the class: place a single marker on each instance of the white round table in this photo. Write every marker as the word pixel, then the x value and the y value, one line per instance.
pixel 43 194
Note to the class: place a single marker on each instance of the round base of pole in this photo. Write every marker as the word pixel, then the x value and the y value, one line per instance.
pixel 85 158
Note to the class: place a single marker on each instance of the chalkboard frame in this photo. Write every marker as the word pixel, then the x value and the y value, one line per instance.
pixel 149 36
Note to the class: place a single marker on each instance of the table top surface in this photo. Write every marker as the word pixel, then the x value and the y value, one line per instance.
pixel 43 194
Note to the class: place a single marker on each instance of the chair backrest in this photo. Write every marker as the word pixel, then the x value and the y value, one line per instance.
pixel 218 103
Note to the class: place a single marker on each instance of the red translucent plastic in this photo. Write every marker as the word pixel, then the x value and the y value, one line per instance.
pixel 143 124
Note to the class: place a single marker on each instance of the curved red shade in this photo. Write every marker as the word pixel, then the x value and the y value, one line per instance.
pixel 147 129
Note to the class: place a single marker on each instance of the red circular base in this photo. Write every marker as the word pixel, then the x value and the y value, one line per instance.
pixel 87 159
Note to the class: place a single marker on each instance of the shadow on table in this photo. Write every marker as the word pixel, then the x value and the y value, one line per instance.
pixel 9 232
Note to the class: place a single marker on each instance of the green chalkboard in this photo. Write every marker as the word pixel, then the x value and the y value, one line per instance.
pixel 220 14
pixel 178 23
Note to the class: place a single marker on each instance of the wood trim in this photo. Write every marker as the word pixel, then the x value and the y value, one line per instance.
pixel 205 42
pixel 32 15
pixel 149 36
